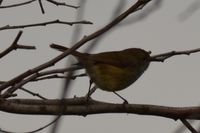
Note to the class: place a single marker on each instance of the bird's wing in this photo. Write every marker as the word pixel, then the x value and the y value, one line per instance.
pixel 114 59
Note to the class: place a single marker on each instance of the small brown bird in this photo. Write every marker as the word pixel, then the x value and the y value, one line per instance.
pixel 115 70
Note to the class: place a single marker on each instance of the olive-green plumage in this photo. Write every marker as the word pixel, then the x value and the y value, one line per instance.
pixel 114 70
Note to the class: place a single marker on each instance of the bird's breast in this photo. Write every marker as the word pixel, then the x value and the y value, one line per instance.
pixel 112 78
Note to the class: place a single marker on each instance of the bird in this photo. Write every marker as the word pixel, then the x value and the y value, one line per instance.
pixel 113 70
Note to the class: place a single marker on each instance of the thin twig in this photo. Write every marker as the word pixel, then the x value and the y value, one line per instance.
pixel 33 93
pixel 62 4
pixel 13 46
pixel 44 24
pixel 29 92
pixel 54 76
pixel 19 4
pixel 61 70
pixel 35 131
pixel 29 2
pixel 12 89
pixel 59 76
pixel 164 56
pixel 25 47
pixel 33 77
pixel 92 91
pixel 49 124
pixel 41 6
pixel 36 75
pixel 188 125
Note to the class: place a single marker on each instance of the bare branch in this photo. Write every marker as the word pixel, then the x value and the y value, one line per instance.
pixel 34 77
pixel 15 46
pixel 164 56
pixel 44 24
pixel 188 125
pixel 80 106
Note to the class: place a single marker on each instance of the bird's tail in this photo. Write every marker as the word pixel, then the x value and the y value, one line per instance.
pixel 62 49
